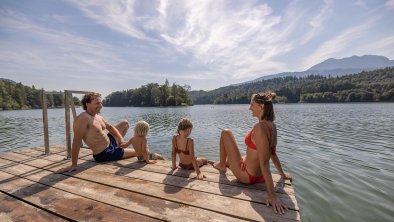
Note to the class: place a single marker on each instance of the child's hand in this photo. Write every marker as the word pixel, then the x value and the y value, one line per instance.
pixel 174 167
pixel 123 145
pixel 201 176
pixel 287 176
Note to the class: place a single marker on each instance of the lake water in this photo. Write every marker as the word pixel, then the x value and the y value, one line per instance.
pixel 341 156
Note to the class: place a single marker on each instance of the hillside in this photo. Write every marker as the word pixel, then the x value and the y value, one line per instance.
pixel 14 96
pixel 371 86
pixel 338 67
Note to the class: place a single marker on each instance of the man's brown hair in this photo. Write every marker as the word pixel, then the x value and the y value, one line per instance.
pixel 87 98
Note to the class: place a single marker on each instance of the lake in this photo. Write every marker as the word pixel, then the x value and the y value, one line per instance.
pixel 341 156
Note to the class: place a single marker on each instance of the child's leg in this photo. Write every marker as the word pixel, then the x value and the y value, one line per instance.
pixel 201 161
pixel 156 156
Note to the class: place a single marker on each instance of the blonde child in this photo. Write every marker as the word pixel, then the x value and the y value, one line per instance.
pixel 184 147
pixel 140 143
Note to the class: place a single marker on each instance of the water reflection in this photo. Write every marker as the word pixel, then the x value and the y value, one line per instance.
pixel 341 155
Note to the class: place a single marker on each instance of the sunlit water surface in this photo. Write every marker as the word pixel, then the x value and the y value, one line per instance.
pixel 340 155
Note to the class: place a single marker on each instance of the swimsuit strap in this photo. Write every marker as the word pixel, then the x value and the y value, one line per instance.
pixel 186 152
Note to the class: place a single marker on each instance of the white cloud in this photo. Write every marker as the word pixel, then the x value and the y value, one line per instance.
pixel 390 4
pixel 360 3
pixel 383 46
pixel 52 49
pixel 317 22
pixel 235 39
pixel 337 44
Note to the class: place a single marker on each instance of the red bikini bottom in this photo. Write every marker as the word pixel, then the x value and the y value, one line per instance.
pixel 252 179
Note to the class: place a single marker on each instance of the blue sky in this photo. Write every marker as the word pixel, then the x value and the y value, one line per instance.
pixel 107 46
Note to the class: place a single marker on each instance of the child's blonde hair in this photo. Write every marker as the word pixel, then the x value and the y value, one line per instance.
pixel 184 124
pixel 141 128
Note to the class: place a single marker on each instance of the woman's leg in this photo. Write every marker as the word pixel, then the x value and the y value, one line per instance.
pixel 229 153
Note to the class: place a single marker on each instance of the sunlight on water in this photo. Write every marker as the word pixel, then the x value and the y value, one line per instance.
pixel 341 155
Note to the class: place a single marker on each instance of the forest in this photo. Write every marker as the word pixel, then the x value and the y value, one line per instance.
pixel 151 94
pixel 15 96
pixel 371 86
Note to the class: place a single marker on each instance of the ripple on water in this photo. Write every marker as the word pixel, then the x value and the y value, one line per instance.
pixel 340 155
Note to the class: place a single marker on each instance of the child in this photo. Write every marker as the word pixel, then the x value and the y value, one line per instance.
pixel 184 146
pixel 140 145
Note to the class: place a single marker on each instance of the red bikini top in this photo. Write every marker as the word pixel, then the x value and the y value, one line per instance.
pixel 186 152
pixel 249 143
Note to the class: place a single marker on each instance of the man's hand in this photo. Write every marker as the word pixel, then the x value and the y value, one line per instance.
pixel 67 169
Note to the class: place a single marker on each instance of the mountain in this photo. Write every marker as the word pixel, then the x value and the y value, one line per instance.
pixel 339 67
pixel 354 62
pixel 8 80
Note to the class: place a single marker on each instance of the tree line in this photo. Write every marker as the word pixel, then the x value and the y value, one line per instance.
pixel 371 86
pixel 15 96
pixel 151 94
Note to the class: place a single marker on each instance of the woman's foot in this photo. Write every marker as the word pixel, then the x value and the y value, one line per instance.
pixel 219 166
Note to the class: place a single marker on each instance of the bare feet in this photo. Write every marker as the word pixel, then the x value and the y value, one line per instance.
pixel 211 162
pixel 219 166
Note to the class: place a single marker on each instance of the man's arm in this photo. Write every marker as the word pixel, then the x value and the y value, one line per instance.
pixel 115 133
pixel 79 127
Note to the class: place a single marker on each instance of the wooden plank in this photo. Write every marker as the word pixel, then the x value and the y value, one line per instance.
pixel 281 188
pixel 198 185
pixel 63 203
pixel 12 209
pixel 227 178
pixel 218 203
pixel 207 168
pixel 117 198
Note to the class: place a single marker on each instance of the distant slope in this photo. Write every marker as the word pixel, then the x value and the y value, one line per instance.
pixel 8 81
pixel 338 67
pixel 371 86
pixel 354 62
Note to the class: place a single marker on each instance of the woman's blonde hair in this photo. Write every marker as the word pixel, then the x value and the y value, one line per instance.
pixel 184 124
pixel 266 99
pixel 141 128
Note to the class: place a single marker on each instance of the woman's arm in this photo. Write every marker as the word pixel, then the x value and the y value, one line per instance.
pixel 276 161
pixel 263 152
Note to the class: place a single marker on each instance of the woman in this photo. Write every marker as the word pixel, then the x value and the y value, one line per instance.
pixel 261 142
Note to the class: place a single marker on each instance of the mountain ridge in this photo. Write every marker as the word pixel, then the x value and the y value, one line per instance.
pixel 338 67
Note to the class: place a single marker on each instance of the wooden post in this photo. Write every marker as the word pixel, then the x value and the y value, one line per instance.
pixel 45 120
pixel 68 127
pixel 71 101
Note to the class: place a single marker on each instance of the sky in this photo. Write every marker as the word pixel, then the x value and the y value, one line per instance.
pixel 107 46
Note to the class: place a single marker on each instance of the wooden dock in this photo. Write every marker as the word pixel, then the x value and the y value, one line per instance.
pixel 127 190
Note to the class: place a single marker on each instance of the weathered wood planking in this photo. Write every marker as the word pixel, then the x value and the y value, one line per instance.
pixel 137 190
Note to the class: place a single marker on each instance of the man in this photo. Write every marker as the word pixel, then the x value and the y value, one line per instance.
pixel 90 127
